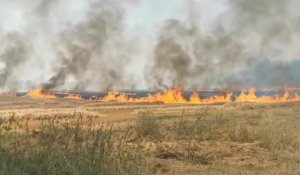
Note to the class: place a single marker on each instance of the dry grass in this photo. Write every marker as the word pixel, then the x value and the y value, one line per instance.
pixel 91 139
pixel 147 127
pixel 254 140
pixel 64 148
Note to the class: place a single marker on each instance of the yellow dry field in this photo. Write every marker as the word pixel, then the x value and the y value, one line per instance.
pixel 178 139
pixel 35 108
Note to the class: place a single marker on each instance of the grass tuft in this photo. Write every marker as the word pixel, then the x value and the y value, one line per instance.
pixel 241 133
pixel 148 127
pixel 66 149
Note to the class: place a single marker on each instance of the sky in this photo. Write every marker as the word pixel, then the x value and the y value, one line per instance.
pixel 100 44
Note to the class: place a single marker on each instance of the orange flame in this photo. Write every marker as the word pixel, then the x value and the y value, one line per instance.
pixel 171 96
pixel 219 99
pixel 195 98
pixel 114 96
pixel 252 98
pixel 247 98
pixel 40 93
pixel 175 96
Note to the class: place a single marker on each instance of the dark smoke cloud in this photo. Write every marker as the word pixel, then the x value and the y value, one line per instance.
pixel 74 65
pixel 90 51
pixel 171 63
pixel 83 48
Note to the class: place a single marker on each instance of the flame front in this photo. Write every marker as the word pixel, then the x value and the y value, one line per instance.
pixel 219 99
pixel 171 96
pixel 40 93
pixel 252 98
pixel 176 96
pixel 247 98
pixel 195 98
pixel 114 96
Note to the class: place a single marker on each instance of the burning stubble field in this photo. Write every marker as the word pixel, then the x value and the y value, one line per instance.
pixel 61 136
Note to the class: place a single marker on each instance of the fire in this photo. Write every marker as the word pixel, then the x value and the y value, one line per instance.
pixel 294 98
pixel 219 99
pixel 114 96
pixel 171 96
pixel 40 93
pixel 252 98
pixel 176 96
pixel 247 98
pixel 73 97
pixel 195 98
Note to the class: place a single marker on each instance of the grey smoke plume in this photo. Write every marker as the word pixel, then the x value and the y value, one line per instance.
pixel 11 57
pixel 89 50
pixel 274 75
pixel 248 33
pixel 186 57
pixel 83 46
pixel 275 25
pixel 96 45
pixel 171 62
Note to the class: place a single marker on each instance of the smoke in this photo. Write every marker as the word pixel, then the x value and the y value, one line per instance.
pixel 171 63
pixel 274 24
pixel 275 75
pixel 248 34
pixel 103 44
pixel 84 46
pixel 12 56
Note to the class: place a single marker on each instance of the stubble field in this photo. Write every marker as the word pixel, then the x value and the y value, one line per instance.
pixel 59 136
